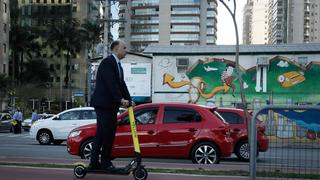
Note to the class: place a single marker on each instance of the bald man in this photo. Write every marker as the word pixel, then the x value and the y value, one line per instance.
pixel 110 93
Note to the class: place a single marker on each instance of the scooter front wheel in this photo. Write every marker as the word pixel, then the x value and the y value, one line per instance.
pixel 80 171
pixel 140 173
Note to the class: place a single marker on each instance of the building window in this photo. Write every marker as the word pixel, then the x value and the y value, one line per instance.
pixel 38 1
pixel 58 66
pixel 45 1
pixel 4 27
pixel 60 1
pixel 52 1
pixel 4 68
pixel 4 48
pixel 5 7
pixel 67 1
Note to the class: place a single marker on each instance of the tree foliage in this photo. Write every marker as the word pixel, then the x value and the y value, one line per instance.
pixel 66 37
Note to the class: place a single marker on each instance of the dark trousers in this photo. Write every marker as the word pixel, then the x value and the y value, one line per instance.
pixel 17 128
pixel 106 130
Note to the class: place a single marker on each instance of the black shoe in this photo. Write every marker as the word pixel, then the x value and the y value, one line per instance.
pixel 110 168
pixel 94 167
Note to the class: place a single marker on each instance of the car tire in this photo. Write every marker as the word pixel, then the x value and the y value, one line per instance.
pixel 242 151
pixel 205 153
pixel 57 142
pixel 85 149
pixel 44 137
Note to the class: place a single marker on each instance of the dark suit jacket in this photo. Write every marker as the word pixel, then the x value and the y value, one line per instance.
pixel 110 88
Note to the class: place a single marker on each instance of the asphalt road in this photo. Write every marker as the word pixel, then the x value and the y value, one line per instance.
pixel 22 145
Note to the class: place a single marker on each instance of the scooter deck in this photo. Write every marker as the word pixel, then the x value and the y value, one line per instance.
pixel 118 171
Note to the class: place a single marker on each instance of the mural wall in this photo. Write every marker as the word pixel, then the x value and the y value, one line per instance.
pixel 213 81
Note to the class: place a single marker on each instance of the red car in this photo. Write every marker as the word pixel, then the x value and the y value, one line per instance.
pixel 236 118
pixel 165 130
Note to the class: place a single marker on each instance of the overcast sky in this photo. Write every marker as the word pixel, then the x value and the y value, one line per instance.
pixel 226 33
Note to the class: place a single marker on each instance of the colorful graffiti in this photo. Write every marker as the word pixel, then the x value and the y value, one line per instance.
pixel 215 78
pixel 285 80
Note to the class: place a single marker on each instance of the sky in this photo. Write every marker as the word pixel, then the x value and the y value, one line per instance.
pixel 225 27
pixel 226 32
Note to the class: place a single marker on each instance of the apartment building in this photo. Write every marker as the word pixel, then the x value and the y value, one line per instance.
pixel 255 22
pixel 40 13
pixel 4 36
pixel 168 22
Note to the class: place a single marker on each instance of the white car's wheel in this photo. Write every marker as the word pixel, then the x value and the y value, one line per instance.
pixel 44 137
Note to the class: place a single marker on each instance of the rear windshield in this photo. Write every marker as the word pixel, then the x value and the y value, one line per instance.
pixel 218 115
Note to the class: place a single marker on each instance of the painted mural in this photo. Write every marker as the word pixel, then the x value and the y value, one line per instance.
pixel 214 79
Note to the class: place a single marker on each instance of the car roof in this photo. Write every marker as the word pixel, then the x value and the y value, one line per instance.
pixel 230 109
pixel 78 108
pixel 176 104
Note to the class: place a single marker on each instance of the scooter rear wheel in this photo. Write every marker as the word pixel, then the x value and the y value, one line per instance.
pixel 80 171
pixel 140 173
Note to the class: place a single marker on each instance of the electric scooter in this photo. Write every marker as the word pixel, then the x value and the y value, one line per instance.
pixel 138 171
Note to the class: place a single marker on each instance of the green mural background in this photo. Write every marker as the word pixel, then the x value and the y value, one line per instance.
pixel 305 91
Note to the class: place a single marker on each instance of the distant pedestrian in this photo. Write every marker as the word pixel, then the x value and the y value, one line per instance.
pixel 34 116
pixel 18 117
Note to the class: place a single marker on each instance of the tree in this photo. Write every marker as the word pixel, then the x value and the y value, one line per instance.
pixel 22 42
pixel 4 86
pixel 36 71
pixel 243 98
pixel 94 30
pixel 66 36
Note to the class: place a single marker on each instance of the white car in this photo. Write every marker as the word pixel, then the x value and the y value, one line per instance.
pixel 26 124
pixel 56 129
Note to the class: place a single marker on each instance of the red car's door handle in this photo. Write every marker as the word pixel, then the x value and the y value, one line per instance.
pixel 150 132
pixel 192 130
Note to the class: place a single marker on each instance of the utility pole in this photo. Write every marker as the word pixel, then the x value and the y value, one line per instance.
pixel 106 28
pixel 107 23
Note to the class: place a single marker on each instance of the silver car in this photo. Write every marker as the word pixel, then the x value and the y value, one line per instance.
pixel 6 122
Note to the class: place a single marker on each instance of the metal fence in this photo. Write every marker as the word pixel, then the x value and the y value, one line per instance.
pixel 294 143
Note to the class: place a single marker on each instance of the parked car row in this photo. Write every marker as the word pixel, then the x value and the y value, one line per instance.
pixel 165 130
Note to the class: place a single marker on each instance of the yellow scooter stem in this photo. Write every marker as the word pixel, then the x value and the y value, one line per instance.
pixel 134 130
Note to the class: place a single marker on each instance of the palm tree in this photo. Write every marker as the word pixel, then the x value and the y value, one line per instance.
pixel 5 82
pixel 36 72
pixel 94 30
pixel 66 36
pixel 22 42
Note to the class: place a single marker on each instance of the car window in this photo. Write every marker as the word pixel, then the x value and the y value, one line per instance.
pixel 146 116
pixel 71 115
pixel 88 114
pixel 180 115
pixel 5 117
pixel 231 118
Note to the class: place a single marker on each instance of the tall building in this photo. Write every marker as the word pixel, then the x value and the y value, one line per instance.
pixel 4 36
pixel 175 22
pixel 255 22
pixel 288 21
pixel 40 13
pixel 304 21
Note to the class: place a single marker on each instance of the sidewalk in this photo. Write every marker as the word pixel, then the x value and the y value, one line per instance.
pixel 150 165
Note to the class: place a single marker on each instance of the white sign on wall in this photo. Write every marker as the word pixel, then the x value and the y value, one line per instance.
pixel 138 78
